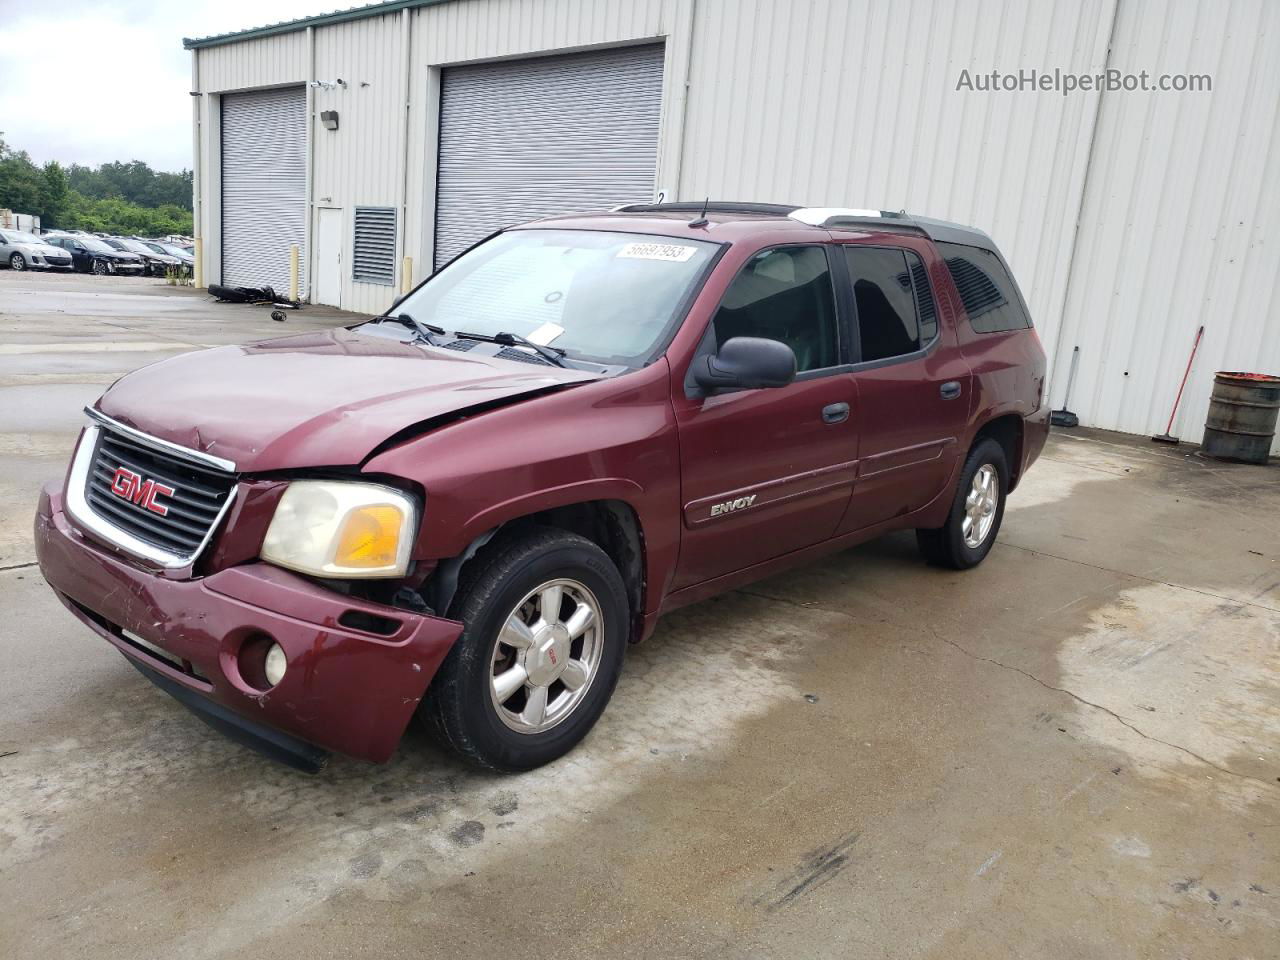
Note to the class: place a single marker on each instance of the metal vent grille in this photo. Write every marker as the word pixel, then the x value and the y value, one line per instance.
pixel 512 353
pixel 191 497
pixel 373 257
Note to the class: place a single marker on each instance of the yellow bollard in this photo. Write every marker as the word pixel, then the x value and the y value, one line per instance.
pixel 293 272
pixel 199 266
pixel 406 275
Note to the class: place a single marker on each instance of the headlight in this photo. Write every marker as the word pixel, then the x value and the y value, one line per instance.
pixel 333 528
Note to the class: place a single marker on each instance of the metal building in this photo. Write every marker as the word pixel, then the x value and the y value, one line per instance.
pixel 384 139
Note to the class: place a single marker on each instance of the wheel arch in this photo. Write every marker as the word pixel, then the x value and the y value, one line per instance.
pixel 1008 431
pixel 611 524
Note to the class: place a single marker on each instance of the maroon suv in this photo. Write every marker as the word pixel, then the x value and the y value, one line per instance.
pixel 464 510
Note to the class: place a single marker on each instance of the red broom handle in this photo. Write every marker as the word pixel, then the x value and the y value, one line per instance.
pixel 1178 399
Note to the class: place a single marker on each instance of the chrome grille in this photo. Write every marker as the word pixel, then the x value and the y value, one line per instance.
pixel 190 512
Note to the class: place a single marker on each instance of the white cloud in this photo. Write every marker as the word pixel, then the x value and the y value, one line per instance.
pixel 82 81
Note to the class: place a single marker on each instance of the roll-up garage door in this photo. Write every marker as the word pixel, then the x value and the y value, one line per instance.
pixel 532 138
pixel 264 185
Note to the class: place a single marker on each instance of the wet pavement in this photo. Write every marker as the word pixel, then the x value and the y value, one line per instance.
pixel 1071 751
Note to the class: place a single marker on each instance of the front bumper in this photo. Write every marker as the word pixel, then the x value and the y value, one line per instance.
pixel 345 689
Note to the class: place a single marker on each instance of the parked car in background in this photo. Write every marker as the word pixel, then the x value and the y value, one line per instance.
pixel 91 255
pixel 466 509
pixel 26 251
pixel 170 249
pixel 157 263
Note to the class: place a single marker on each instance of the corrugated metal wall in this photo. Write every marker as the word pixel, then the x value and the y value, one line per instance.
pixel 264 62
pixel 855 102
pixel 360 163
pixel 1181 219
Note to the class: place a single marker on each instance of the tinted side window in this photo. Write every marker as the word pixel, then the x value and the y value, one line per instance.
pixel 896 314
pixel 986 289
pixel 784 294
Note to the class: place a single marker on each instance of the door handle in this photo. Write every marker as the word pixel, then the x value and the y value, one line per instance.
pixel 950 390
pixel 835 413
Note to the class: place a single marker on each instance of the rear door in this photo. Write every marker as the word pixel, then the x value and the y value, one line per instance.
pixel 914 387
pixel 765 472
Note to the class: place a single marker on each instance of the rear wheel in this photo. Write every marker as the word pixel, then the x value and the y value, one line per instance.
pixel 18 262
pixel 546 624
pixel 976 512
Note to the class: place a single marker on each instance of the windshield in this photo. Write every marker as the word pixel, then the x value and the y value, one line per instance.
pixel 94 244
pixel 606 297
pixel 135 246
pixel 16 236
pixel 168 248
pixel 114 243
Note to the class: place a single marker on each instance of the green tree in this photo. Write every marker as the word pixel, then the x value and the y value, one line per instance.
pixel 128 198
pixel 20 181
pixel 54 195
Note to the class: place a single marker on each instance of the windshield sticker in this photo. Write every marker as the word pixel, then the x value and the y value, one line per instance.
pixel 545 334
pixel 657 251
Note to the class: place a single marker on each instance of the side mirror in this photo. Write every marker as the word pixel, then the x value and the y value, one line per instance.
pixel 746 363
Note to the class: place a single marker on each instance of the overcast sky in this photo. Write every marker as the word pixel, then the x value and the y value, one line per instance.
pixel 87 81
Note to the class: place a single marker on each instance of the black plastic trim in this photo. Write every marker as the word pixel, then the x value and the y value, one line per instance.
pixel 271 743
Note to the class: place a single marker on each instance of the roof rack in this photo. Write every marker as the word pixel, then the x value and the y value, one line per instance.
pixel 715 206
pixel 837 216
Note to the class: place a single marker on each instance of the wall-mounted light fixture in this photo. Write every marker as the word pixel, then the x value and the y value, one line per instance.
pixel 329 119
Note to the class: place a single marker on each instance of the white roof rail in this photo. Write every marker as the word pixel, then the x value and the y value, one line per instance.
pixel 825 216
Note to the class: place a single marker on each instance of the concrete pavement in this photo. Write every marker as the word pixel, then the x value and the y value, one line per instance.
pixel 1071 751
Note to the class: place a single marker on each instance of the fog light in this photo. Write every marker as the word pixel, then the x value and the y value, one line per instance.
pixel 275 665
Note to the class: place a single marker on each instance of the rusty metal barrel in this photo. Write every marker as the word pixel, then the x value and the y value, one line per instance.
pixel 1242 417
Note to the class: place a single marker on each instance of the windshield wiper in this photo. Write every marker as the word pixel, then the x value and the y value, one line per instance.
pixel 553 355
pixel 423 330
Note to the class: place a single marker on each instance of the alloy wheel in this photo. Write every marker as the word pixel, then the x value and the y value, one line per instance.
pixel 546 655
pixel 18 262
pixel 980 506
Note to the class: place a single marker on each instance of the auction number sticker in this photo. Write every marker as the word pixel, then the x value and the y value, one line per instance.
pixel 657 251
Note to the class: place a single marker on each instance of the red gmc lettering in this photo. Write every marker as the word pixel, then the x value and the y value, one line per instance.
pixel 130 486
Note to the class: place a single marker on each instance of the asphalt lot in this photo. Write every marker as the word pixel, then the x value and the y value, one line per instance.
pixel 1072 751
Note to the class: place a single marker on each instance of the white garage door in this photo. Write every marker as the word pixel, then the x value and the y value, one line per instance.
pixel 531 138
pixel 264 185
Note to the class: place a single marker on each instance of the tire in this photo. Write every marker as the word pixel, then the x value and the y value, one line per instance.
pixel 100 268
pixel 953 544
pixel 488 723
pixel 18 262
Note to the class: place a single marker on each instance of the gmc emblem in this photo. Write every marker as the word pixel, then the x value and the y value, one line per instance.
pixel 130 486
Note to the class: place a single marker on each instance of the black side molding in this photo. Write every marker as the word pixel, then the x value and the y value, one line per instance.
pixel 271 743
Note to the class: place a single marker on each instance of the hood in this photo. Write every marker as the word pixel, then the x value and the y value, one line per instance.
pixel 44 249
pixel 317 399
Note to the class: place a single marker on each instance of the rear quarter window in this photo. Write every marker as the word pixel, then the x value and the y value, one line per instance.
pixel 987 291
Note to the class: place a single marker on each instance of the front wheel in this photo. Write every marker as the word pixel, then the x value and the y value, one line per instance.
pixel 976 512
pixel 100 268
pixel 547 620
pixel 18 262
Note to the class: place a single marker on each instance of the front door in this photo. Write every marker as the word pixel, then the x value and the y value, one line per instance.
pixel 328 278
pixel 765 472
pixel 914 387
